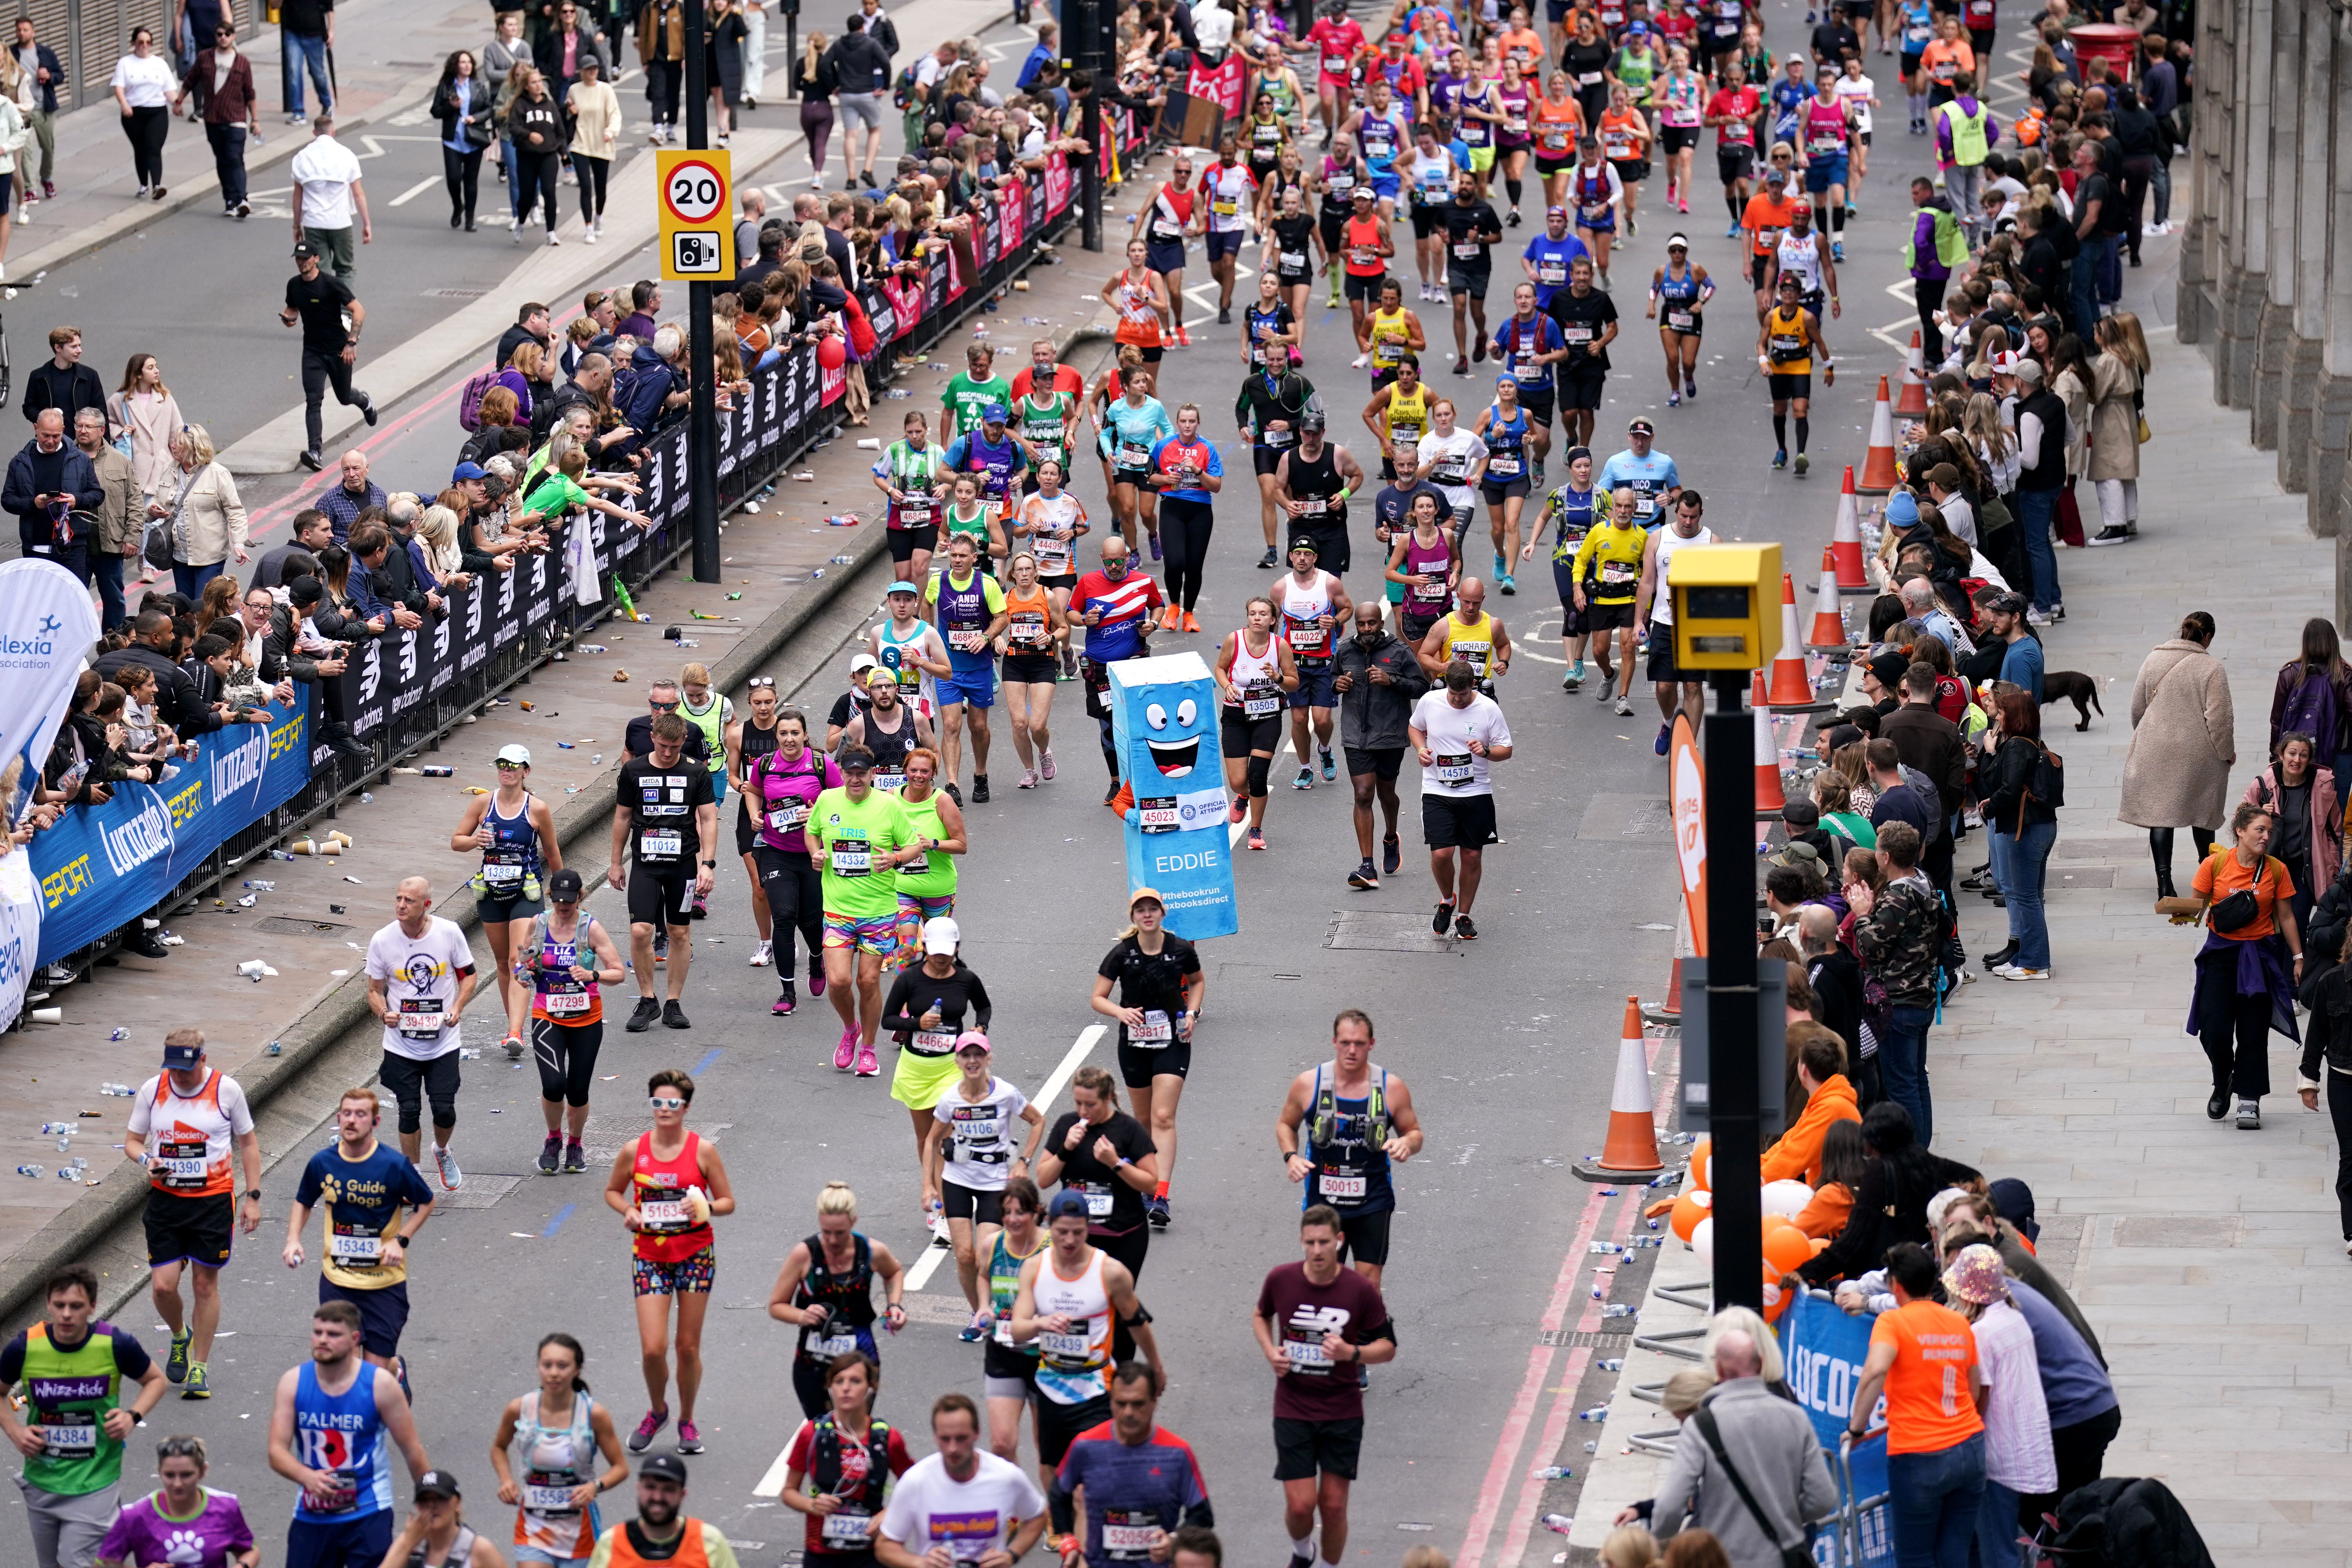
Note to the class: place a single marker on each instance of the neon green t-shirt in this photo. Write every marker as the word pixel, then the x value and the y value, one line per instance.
pixel 965 397
pixel 849 838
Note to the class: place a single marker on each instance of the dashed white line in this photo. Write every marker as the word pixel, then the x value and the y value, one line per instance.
pixel 414 191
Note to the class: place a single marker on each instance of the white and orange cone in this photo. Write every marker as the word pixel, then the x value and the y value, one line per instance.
pixel 1846 541
pixel 1631 1148
pixel 1790 689
pixel 1769 799
pixel 1829 612
pixel 1914 404
pixel 1878 475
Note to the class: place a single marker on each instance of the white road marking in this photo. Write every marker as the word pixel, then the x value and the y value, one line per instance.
pixel 414 191
pixel 1236 832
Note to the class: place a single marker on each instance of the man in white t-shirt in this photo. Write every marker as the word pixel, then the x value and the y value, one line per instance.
pixel 962 1504
pixel 1458 734
pixel 328 196
pixel 420 976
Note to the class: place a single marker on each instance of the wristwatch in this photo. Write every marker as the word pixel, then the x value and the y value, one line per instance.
pixel 712 863
pixel 253 1193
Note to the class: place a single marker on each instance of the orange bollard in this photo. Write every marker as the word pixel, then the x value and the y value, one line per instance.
pixel 1790 689
pixel 1769 799
pixel 1914 405
pixel 1846 541
pixel 1878 475
pixel 1829 614
pixel 1632 1148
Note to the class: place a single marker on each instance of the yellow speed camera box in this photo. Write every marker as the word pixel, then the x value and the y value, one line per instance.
pixel 1726 605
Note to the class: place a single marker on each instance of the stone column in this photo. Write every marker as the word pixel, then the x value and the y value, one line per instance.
pixel 2331 417
pixel 2244 258
pixel 2282 62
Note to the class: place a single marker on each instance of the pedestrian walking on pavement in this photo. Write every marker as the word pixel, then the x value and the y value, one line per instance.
pixel 306 41
pixel 661 49
pixel 144 408
pixel 2247 970
pixel 534 123
pixel 2313 694
pixel 2303 796
pixel 462 104
pixel 222 81
pixel 2183 745
pixel 815 79
pixel 722 49
pixel 320 305
pixel 2024 828
pixel 142 86
pixel 330 203
pixel 506 50
pixel 861 71
pixel 2327 990
pixel 595 111
pixel 40 61
pixel 16 131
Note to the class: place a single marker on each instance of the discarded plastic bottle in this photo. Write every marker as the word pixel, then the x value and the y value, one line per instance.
pixel 437 773
pixel 29 1170
pixel 1612 1364
pixel 52 1128
pixel 120 1034
pixel 366 799
pixel 1593 1447
pixel 68 1174
pixel 261 887
pixel 116 1090
pixel 1617 1309
pixel 1603 1249
pixel 1598 1413
pixel 1559 1523
pixel 1551 1473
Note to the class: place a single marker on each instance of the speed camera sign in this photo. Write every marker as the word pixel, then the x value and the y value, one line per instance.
pixel 697 189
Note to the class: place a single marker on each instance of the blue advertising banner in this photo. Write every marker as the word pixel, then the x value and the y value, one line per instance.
pixel 101 867
pixel 1164 728
pixel 1825 1348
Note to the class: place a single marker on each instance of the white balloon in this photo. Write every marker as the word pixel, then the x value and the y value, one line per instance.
pixel 1706 1171
pixel 1788 1197
pixel 1702 1242
pixel 1704 1197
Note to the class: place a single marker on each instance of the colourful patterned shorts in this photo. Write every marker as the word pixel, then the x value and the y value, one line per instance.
pixel 913 911
pixel 688 1275
pixel 878 934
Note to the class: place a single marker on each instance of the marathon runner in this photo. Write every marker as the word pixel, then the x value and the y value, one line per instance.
pixel 1389 334
pixel 1398 413
pixel 1271 325
pixel 1556 121
pixel 839 1467
pixel 1314 1318
pixel 747 741
pixel 667 1184
pixel 201 1135
pixel 1468 634
pixel 1274 401
pixel 1511 96
pixel 959 1503
pixel 660 1532
pixel 1651 474
pixel 907 648
pixel 932 1005
pixel 1571 510
pixel 1337 177
pixel 1046 373
pixel 1770 211
pixel 1425 559
pixel 1265 129
pixel 1186 472
pixel 1009 1370
pixel 1429 189
pixel 1455 461
pixel 710 713
pixel 826 1289
pixel 1163 224
pixel 1470 231
pixel 1312 604
pixel 1333 39
pixel 1457 735
pixel 1045 424
pixel 968 607
pixel 1344 1124
pixel 436 1527
pixel 1679 98
pixel 1799 254
pixel 1548 254
pixel 1587 319
pixel 74 1421
pixel 1141 1481
pixel 515 832
pixel 864 836
pixel 1528 346
pixel 1104 1159
pixel 564 955
pixel 363 1255
pixel 1115 603
pixel 1860 96
pixel 1293 241
pixel 1732 111
pixel 888 729
pixel 1072 1298
pixel 969 391
pixel 1827 125
pixel 1655 608
pixel 969 1154
pixel 1367 244
pixel 561 1434
pixel 1611 559
pixel 1313 482
pixel 967 516
pixel 1254 671
pixel 785 783
pixel 1785 346
pixel 1035 642
pixel 665 824
pixel 1682 288
pixel 1049 526
pixel 1140 297
pixel 1161 984
pixel 1378 678
pixel 1503 428
pixel 420 977
pixel 1476 114
pixel 1128 431
pixel 332 1427
pixel 849 704
pixel 1382 129
pixel 1232 192
pixel 183 1515
pixel 1393 508
pixel 1000 465
pixel 907 474
pixel 1595 192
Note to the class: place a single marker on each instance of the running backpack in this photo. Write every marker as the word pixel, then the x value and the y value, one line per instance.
pixel 902 93
pixel 2313 708
pixel 469 401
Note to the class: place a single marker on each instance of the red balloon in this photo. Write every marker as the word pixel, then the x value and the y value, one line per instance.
pixel 832 354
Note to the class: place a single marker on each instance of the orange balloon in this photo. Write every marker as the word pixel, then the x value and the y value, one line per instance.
pixel 1776 1301
pixel 1786 1250
pixel 1773 1222
pixel 1689 1209
pixel 1700 1152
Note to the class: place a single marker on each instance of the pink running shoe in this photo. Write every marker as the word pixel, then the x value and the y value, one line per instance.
pixel 843 1052
pixel 866 1064
pixel 654 1421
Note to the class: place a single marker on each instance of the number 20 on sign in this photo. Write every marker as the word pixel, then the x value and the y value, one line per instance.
pixel 694 196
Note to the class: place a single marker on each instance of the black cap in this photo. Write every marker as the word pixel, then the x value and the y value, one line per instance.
pixel 436 1483
pixel 565 886
pixel 663 1467
pixel 303 247
pixel 1306 542
pixel 1800 813
pixel 2008 604
pixel 1889 667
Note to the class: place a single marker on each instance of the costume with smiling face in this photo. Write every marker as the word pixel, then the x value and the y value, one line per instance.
pixel 1164 728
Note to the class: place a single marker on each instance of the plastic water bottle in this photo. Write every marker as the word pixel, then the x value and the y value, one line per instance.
pixel 1598 1413
pixel 29 1170
pixel 1604 1248
pixel 67 1173
pixel 1551 1473
pixel 1593 1447
pixel 116 1090
pixel 1612 1364
pixel 1559 1523
pixel 1617 1309
pixel 52 1128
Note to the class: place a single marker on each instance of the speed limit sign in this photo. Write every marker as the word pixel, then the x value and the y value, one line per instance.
pixel 695 190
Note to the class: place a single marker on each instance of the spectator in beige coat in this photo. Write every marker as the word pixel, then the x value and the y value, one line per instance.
pixel 596 136
pixel 145 407
pixel 2117 374
pixel 2184 742
pixel 207 516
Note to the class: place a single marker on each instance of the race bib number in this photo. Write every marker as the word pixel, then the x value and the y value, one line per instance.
pixel 547 1500
pixel 853 859
pixel 835 1344
pixel 354 1250
pixel 1499 467
pixel 1335 65
pixel 1258 703
pixel 1157 814
pixel 565 1004
pixel 1132 455
pixel 1305 1353
pixel 1277 440
pixel 1453 769
pixel 181 1171
pixel 420 1017
pixel 497 873
pixel 889 779
pixel 788 817
pixel 1067 1347
pixel 1129 1540
pixel 1155 1029
pixel 1225 207
pixel 1683 321
pixel 1362 254
pixel 967 639
pixel 1577 333
pixel 1345 1189
pixel 1433 591
pixel 1468 249
pixel 341 1493
pixel 1588 79
pixel 663 1214
pixel 661 845
pixel 1029 630
pixel 1617 574
pixel 934 1042
pixel 1098 1197
pixel 849 1529
pixel 1294 261
pixel 914 513
pixel 1306 640
pixel 1166 230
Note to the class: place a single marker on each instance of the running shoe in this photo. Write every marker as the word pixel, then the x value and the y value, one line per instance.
pixel 1664 732
pixel 575 1158
pixel 1046 765
pixel 175 1370
pixel 1172 619
pixel 1462 367
pixel 1155 1208
pixel 1674 400
pixel 1305 779
pixel 1574 678
pixel 1266 560
pixel 1465 928
pixel 763 956
pixel 1191 622
pixel 1155 550
pixel 784 1003
pixel 846 1050
pixel 1392 855
pixel 1625 708
pixel 1508 583
pixel 1444 919
pixel 977 1329
pixel 674 1015
pixel 512 1045
pixel 1837 250
pixel 199 1384
pixel 1239 809
pixel 1780 458
pixel 1257 837
pixel 979 790
pixel 1803 463
pixel 1732 233
pixel 1608 684
pixel 2020 972
pixel 701 906
pixel 551 1154
pixel 689 1440
pixel 2115 533
pixel 866 1064
pixel 1499 563
pixel 953 793
pixel 1224 315
pixel 1514 220
pixel 661 942
pixel 2249 1116
pixel 1478 351
pixel 643 1435
pixel 1028 779
pixel 452 1178
pixel 1363 875
pixel 816 967
pixel 1183 341
pixel 1330 766
pixel 1690 390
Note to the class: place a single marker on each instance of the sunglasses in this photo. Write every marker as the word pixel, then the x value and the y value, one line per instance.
pixel 512 767
pixel 666 1102
pixel 660 707
pixel 757 681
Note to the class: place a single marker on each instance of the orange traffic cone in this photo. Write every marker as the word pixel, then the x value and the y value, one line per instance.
pixel 1769 799
pixel 1668 1011
pixel 1914 405
pixel 1790 689
pixel 1631 1148
pixel 1845 542
pixel 1878 475
pixel 1829 615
